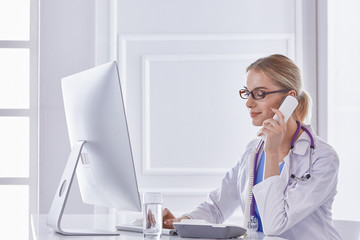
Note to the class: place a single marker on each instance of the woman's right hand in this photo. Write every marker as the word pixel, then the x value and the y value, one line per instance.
pixel 169 219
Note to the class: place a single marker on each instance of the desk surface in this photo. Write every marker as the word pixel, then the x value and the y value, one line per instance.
pixel 41 231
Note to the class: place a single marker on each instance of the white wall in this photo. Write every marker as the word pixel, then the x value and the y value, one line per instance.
pixel 343 103
pixel 67 46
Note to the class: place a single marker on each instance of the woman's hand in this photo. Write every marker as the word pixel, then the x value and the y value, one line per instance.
pixel 275 132
pixel 169 219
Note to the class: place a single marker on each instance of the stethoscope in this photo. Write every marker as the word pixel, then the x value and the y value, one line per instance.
pixel 252 222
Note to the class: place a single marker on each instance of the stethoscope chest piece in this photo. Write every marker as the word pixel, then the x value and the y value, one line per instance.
pixel 253 223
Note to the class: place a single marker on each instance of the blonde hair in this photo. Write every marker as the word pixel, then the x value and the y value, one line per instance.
pixel 284 72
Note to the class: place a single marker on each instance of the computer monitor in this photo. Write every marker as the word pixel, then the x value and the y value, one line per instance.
pixel 101 150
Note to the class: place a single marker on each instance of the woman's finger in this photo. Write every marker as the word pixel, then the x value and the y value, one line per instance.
pixel 169 223
pixel 280 115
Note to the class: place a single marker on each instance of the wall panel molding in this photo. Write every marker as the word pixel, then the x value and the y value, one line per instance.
pixel 146 69
pixel 124 39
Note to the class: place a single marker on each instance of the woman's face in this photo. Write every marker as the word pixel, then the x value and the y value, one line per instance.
pixel 260 109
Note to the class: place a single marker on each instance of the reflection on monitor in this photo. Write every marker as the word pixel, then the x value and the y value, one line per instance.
pixel 101 151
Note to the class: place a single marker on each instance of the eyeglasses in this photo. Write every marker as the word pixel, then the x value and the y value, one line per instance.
pixel 257 94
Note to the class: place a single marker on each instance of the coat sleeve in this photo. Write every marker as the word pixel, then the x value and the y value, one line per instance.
pixel 222 202
pixel 281 206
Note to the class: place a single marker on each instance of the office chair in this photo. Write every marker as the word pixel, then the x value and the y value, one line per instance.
pixel 348 229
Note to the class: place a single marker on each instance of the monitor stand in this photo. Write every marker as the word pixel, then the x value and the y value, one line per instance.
pixel 58 205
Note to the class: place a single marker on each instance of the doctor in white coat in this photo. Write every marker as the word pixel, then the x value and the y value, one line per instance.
pixel 287 201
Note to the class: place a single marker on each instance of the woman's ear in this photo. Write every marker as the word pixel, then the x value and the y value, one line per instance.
pixel 292 93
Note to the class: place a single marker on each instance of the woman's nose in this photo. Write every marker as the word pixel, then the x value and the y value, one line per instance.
pixel 250 102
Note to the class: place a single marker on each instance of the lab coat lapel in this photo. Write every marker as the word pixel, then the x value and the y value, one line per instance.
pixel 300 158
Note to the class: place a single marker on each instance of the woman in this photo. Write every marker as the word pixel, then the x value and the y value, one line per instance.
pixel 289 199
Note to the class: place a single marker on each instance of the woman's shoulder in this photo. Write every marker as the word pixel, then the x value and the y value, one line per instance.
pixel 323 145
pixel 320 144
pixel 323 149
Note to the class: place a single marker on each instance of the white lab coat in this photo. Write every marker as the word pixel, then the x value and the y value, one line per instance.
pixel 288 208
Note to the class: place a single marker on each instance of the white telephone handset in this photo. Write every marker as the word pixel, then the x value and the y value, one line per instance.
pixel 287 108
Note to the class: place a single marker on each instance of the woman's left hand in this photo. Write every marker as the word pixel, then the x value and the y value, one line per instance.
pixel 274 132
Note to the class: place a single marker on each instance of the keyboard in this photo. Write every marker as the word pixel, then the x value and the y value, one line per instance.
pixel 134 228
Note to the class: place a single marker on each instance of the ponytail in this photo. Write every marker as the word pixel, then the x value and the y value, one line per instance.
pixel 302 112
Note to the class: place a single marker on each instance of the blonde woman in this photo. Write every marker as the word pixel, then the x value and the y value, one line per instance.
pixel 295 175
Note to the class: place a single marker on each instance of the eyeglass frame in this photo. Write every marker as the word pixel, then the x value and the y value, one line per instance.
pixel 265 93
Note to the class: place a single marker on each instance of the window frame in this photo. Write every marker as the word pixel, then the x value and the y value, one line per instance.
pixel 32 112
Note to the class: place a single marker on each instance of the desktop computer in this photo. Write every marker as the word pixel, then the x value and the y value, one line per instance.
pixel 101 154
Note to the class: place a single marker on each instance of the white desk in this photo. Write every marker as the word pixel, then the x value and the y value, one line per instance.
pixel 41 231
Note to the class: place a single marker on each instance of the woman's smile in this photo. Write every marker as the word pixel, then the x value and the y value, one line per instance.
pixel 253 114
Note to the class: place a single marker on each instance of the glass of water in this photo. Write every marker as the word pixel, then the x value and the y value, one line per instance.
pixel 152 210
